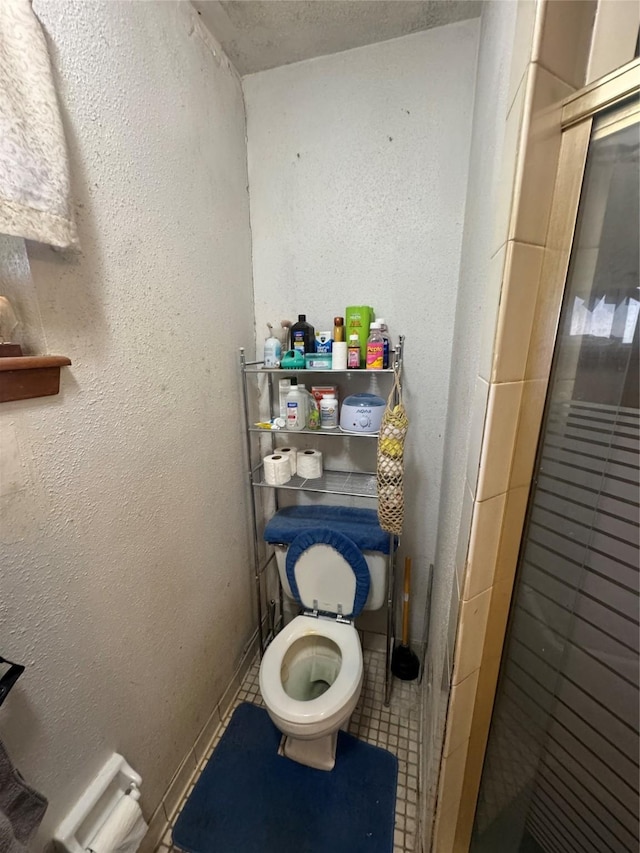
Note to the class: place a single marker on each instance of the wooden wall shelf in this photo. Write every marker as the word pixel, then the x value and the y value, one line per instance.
pixel 25 376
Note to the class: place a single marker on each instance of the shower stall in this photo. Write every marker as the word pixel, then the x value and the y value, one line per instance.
pixel 561 766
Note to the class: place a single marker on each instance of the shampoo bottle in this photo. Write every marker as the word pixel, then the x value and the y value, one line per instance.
pixel 303 336
pixel 357 320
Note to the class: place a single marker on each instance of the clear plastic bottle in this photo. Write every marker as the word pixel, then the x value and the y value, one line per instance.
pixel 296 406
pixel 375 348
pixel 284 386
pixel 313 411
pixel 387 342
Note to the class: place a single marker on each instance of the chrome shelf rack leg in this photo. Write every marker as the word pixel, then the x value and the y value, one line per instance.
pixel 252 499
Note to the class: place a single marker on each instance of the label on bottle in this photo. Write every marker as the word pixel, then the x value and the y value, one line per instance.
pixel 292 414
pixel 328 413
pixel 375 355
pixel 353 357
pixel 385 357
pixel 298 341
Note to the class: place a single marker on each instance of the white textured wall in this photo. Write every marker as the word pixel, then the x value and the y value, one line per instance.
pixel 477 308
pixel 358 170
pixel 124 575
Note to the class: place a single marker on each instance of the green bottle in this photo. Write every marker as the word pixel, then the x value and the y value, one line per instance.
pixel 358 318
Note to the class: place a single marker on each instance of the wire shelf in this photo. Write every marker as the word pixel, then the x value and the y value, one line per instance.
pixel 331 483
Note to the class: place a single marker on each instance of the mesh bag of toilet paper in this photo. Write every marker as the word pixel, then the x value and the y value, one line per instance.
pixel 390 469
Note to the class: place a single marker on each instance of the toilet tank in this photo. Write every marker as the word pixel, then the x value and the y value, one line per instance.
pixel 360 525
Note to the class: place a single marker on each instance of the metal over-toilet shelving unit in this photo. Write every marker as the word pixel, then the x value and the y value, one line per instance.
pixel 349 483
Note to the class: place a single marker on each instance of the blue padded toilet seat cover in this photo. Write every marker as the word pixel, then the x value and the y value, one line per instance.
pixel 348 550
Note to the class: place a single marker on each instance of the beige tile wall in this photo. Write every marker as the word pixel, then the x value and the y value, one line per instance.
pixel 551 50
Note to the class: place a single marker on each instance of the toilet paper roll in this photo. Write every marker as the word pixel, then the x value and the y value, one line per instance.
pixel 122 831
pixel 292 453
pixel 309 463
pixel 277 469
pixel 339 355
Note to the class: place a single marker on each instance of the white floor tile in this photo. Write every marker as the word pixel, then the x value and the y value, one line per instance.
pixel 395 728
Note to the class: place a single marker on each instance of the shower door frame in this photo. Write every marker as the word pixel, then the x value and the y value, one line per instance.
pixel 587 117
pixel 577 118
pixel 578 114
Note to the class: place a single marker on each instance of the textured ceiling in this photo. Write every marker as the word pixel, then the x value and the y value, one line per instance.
pixel 261 34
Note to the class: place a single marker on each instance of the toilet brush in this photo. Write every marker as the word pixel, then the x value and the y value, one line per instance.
pixel 404 662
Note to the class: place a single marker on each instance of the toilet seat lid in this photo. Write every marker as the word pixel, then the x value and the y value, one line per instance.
pixel 340 585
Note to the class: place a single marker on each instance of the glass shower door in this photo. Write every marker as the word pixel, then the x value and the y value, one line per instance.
pixel 561 768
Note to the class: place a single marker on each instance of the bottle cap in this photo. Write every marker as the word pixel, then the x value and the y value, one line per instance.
pixel 355 338
pixel 294 381
pixel 375 325
pixel 338 321
pixel 302 318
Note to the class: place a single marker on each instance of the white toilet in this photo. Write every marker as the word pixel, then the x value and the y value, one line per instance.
pixel 311 674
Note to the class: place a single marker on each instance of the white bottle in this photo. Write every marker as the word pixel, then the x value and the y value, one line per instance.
pixel 296 406
pixel 272 350
pixel 284 386
pixel 328 412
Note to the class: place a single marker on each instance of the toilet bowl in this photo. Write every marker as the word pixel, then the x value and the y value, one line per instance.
pixel 311 673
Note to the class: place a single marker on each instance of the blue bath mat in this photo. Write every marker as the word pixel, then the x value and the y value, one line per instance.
pixel 249 799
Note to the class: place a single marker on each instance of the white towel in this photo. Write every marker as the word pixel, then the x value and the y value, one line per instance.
pixel 34 174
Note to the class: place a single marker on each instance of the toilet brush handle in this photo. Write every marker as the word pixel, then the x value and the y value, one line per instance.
pixel 405 601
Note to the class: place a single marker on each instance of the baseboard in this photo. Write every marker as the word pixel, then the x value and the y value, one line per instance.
pixel 163 815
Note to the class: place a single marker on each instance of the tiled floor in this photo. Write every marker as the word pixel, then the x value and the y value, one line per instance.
pixel 395 728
